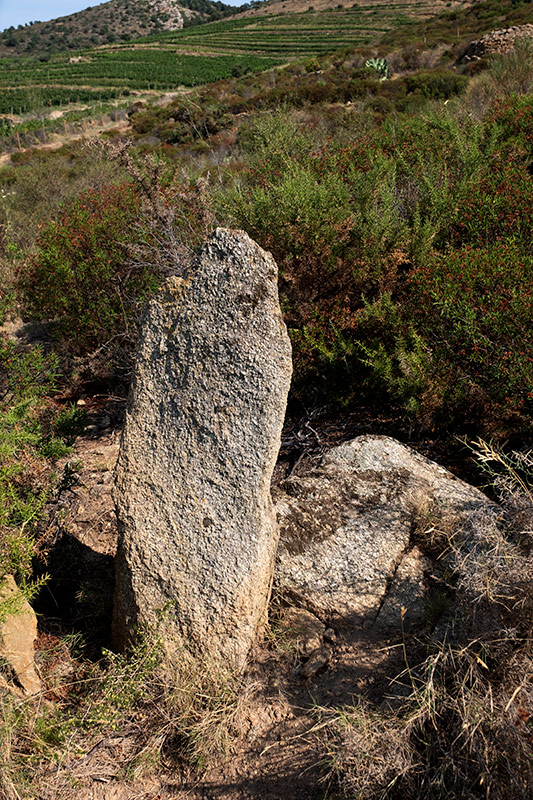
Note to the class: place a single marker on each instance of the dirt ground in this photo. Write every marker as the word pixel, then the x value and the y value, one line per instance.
pixel 278 752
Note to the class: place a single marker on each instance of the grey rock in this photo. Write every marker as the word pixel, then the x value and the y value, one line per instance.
pixel 197 528
pixel 346 525
pixel 404 603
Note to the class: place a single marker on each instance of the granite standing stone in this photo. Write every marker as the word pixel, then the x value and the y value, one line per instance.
pixel 197 529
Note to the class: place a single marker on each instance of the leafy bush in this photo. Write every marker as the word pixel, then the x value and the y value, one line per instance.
pixel 513 120
pixel 476 312
pixel 495 208
pixel 82 277
pixel 31 433
pixel 438 84
pixel 358 227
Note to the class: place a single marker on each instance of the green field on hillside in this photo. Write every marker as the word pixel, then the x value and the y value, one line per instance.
pixel 293 35
pixel 194 56
pixel 142 68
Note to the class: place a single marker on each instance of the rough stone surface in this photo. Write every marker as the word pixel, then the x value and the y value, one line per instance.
pixel 197 529
pixel 17 636
pixel 406 596
pixel 346 526
pixel 316 662
pixel 498 41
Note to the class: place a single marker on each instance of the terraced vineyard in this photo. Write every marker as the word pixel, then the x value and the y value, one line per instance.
pixel 134 68
pixel 197 55
pixel 292 35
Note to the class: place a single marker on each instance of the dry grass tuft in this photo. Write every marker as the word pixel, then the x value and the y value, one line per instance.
pixel 121 719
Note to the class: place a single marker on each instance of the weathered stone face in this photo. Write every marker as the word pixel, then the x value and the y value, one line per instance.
pixel 198 533
pixel 345 547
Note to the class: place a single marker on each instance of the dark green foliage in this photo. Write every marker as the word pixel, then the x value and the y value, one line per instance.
pixel 437 85
pixel 116 70
pixel 497 208
pixel 513 122
pixel 475 308
pixel 82 277
pixel 405 261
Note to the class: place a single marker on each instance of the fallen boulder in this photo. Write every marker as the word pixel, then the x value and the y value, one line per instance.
pixel 345 529
pixel 197 528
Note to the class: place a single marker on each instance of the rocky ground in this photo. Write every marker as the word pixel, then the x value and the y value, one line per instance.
pixel 310 664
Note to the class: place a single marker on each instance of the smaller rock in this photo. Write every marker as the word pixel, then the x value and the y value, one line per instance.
pixel 105 422
pixel 317 660
pixel 17 636
pixel 303 628
pixel 330 636
pixel 91 430
pixel 346 524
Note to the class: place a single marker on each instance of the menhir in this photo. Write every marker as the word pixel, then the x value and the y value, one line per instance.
pixel 197 530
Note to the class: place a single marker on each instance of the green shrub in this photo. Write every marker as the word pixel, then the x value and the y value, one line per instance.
pixel 497 207
pixel 31 432
pixel 82 277
pixel 475 308
pixel 513 120
pixel 437 85
pixel 40 183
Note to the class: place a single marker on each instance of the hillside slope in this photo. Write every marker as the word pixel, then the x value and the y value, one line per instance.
pixel 116 20
pixel 411 7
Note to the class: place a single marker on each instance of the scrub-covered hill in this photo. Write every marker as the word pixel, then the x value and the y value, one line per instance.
pixel 117 20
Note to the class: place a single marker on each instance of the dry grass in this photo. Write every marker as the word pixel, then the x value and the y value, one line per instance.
pixel 466 728
pixel 509 74
pixel 121 719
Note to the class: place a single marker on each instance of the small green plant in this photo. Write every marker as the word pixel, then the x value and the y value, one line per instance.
pixel 380 66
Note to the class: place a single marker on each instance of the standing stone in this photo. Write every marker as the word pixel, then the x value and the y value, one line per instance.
pixel 197 529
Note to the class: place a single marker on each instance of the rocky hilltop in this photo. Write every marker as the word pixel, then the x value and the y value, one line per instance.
pixel 117 20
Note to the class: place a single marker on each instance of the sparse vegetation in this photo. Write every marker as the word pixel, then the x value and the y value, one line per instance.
pixel 188 717
pixel 398 212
